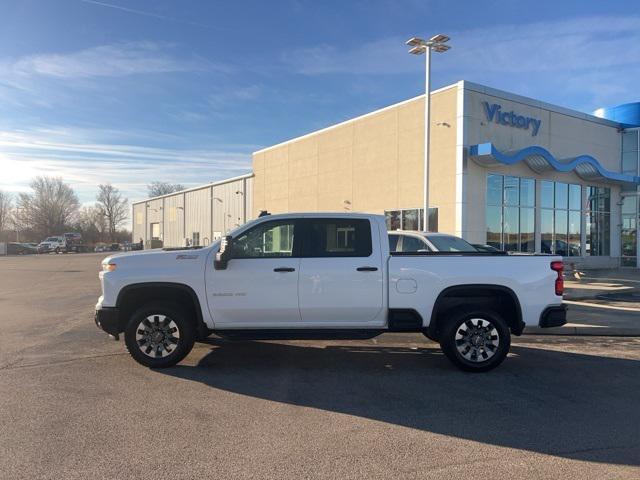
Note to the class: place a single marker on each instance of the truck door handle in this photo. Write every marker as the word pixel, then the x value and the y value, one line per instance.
pixel 367 269
pixel 284 269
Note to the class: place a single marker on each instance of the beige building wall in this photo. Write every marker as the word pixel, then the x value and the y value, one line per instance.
pixel 370 164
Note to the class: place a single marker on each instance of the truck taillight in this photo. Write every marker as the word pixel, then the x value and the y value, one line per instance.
pixel 558 267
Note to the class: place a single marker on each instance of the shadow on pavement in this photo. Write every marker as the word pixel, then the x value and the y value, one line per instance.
pixel 551 402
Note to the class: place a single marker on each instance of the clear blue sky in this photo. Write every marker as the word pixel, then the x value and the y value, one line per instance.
pixel 128 91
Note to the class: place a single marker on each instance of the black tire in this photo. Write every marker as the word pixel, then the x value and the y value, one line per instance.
pixel 57 250
pixel 475 349
pixel 164 319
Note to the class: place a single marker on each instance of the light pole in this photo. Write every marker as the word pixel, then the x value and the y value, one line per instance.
pixel 418 47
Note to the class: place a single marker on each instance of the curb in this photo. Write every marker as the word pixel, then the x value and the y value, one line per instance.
pixel 584 331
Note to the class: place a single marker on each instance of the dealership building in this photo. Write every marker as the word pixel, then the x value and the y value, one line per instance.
pixel 505 170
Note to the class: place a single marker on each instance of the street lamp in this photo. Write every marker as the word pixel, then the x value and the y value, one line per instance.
pixel 418 47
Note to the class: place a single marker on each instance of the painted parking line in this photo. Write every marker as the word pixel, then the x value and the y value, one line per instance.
pixel 597 305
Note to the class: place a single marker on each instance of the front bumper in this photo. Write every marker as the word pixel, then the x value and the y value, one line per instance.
pixel 555 316
pixel 108 319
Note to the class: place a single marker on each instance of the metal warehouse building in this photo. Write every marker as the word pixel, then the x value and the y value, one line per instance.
pixel 199 215
pixel 506 170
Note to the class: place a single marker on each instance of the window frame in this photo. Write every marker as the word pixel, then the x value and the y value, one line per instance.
pixel 296 248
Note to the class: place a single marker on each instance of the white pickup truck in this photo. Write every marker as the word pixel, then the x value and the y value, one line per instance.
pixel 325 275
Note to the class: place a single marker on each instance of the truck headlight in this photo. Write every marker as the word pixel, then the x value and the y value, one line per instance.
pixel 108 267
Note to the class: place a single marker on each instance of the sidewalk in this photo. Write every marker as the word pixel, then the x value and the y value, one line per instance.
pixel 601 302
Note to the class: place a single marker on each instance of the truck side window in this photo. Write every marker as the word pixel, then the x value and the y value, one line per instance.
pixel 267 240
pixel 393 242
pixel 339 238
pixel 413 244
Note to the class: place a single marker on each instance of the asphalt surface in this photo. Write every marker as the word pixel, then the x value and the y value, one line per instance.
pixel 74 405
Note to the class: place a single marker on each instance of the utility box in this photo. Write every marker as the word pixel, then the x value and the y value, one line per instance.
pixel 3 248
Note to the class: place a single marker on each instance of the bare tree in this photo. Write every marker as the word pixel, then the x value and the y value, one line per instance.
pixel 51 207
pixel 156 189
pixel 5 210
pixel 114 208
pixel 92 224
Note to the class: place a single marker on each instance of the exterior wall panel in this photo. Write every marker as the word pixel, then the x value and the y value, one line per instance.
pixel 209 210
pixel 138 222
pixel 198 215
pixel 174 220
pixel 371 164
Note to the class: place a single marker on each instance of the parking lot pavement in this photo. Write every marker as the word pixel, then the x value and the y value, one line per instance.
pixel 74 405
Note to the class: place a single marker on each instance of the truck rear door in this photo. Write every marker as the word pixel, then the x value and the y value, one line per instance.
pixel 341 273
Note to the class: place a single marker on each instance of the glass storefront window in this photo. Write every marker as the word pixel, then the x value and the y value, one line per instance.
pixel 527 192
pixel 510 218
pixel 511 228
pixel 562 195
pixel 433 219
pixel 546 231
pixel 494 226
pixel 573 238
pixel 629 238
pixel 511 191
pixel 560 241
pixel 575 197
pixel 527 230
pixel 546 194
pixel 630 141
pixel 561 227
pixel 393 219
pixel 411 219
pixel 598 221
pixel 494 190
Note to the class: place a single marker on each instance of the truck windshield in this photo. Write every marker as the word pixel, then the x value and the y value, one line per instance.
pixel 445 243
pixel 52 239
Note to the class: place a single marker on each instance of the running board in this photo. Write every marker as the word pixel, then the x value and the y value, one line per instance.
pixel 300 334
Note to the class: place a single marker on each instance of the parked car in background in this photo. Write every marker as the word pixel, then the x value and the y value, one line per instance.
pixel 488 248
pixel 114 247
pixel 414 241
pixel 101 247
pixel 53 244
pixel 69 242
pixel 15 248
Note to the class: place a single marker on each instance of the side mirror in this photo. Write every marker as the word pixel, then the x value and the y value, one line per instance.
pixel 224 254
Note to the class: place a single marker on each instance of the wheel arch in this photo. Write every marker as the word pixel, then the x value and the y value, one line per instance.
pixel 132 296
pixel 500 297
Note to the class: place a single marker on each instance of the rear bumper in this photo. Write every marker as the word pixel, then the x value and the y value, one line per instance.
pixel 108 319
pixel 555 316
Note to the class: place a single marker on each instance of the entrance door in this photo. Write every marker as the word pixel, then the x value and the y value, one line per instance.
pixel 259 287
pixel 341 280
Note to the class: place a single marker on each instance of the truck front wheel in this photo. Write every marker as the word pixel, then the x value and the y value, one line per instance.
pixel 475 341
pixel 159 335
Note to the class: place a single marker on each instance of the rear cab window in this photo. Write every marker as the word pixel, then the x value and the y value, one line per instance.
pixel 338 237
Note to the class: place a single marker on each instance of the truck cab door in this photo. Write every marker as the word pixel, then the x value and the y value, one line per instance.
pixel 341 273
pixel 259 286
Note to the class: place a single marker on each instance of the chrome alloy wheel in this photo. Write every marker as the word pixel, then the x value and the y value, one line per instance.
pixel 477 340
pixel 157 336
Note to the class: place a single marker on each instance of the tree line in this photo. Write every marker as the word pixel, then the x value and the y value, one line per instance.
pixel 53 208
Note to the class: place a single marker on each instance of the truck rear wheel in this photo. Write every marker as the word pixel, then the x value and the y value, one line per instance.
pixel 159 335
pixel 475 340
